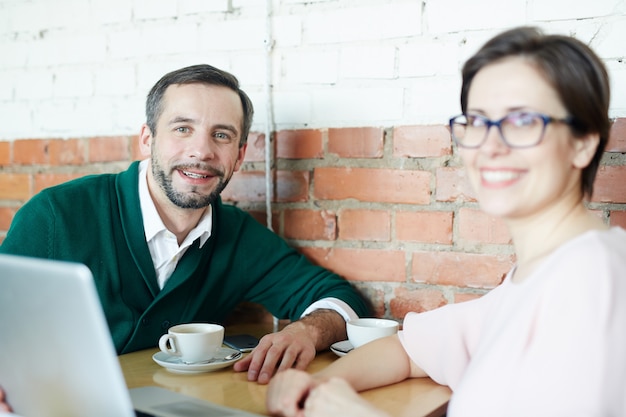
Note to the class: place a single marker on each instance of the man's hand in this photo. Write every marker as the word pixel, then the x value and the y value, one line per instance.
pixel 294 346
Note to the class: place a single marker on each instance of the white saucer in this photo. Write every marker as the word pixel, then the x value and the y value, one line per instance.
pixel 175 364
pixel 341 348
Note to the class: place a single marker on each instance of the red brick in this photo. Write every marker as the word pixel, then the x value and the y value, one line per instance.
pixel 610 185
pixel 261 217
pixel 290 186
pixel 424 226
pixel 255 152
pixel 310 224
pixel 360 264
pixel 375 185
pixel 136 153
pixel 299 144
pixel 453 185
pixel 415 300
pixel 31 152
pixel 475 226
pixel 460 269
pixel 617 136
pixel 618 218
pixel 421 141
pixel 365 225
pixel 5 153
pixel 109 149
pixel 42 181
pixel 6 217
pixel 356 142
pixel 66 152
pixel 461 297
pixel 15 186
pixel 374 296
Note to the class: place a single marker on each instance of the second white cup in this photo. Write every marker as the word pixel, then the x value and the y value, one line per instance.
pixel 365 330
pixel 192 342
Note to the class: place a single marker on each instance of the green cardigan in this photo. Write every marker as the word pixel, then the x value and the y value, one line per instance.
pixel 96 220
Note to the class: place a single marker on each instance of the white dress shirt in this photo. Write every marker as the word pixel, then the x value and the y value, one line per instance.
pixel 166 251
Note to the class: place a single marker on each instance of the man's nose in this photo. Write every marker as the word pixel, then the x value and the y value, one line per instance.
pixel 202 146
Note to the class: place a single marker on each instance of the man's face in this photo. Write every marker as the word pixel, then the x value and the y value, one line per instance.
pixel 195 150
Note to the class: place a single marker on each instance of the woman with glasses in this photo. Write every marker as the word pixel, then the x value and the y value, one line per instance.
pixel 551 339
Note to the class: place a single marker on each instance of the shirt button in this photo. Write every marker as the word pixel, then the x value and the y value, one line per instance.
pixel 144 322
pixel 165 325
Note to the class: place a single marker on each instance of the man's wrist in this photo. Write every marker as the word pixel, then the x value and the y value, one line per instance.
pixel 325 326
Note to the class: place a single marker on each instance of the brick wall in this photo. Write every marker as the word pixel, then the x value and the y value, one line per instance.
pixel 387 208
pixel 367 182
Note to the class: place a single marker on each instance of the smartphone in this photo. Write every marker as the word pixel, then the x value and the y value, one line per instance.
pixel 241 342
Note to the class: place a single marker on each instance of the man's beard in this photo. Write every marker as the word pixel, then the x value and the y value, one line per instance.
pixel 190 199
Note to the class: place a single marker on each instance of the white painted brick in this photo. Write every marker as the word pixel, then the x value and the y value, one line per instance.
pixel 67 48
pixel 233 35
pixel 154 9
pixel 291 109
pixel 124 44
pixel 33 85
pixel 27 16
pixel 14 54
pixel 249 68
pixel 7 84
pixel 368 62
pixel 447 16
pixel 617 74
pixel 111 11
pixel 199 6
pixel 14 117
pixel 331 62
pixel 127 115
pixel 363 23
pixel 350 107
pixel 52 117
pixel 310 67
pixel 429 57
pixel 432 100
pixel 609 41
pixel 73 83
pixel 286 31
pixel 167 39
pixel 66 118
pixel 566 9
pixel 116 81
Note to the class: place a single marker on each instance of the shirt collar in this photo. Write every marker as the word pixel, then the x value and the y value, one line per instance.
pixel 152 223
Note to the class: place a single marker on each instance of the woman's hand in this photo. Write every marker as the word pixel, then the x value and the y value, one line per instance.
pixel 336 397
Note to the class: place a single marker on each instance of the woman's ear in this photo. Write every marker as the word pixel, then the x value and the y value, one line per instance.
pixel 585 148
pixel 145 140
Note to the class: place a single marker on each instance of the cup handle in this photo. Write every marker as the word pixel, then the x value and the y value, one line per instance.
pixel 167 344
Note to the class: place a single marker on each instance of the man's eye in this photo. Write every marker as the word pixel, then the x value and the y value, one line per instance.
pixel 222 136
pixel 182 129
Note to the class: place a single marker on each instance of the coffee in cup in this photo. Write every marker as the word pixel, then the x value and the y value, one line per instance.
pixel 192 342
pixel 365 330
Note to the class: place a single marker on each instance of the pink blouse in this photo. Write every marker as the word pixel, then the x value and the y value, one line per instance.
pixel 552 345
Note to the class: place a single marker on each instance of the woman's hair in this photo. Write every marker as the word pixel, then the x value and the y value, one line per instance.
pixel 571 67
pixel 203 74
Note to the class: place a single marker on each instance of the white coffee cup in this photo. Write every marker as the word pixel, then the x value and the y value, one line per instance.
pixel 192 342
pixel 365 330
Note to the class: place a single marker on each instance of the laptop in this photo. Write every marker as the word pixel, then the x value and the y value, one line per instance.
pixel 57 357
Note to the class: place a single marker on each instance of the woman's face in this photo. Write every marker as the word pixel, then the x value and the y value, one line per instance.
pixel 513 183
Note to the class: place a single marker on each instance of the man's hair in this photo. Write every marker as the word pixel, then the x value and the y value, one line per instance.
pixel 203 74
pixel 570 67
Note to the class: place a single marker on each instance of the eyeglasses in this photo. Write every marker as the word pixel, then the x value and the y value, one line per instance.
pixel 517 129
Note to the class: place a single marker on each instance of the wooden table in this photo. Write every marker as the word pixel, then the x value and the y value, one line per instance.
pixel 415 397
